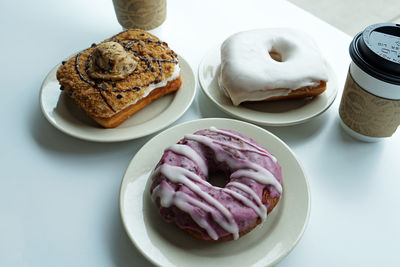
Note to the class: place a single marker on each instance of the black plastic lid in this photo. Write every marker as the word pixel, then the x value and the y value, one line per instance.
pixel 376 51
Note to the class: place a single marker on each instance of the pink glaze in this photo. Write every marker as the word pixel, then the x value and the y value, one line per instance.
pixel 181 191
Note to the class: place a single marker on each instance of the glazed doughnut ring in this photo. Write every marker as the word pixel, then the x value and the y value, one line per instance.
pixel 184 196
pixel 271 64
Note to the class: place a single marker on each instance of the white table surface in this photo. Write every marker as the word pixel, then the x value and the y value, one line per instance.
pixel 59 195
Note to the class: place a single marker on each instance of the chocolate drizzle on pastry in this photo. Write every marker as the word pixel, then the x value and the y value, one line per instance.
pixel 86 80
pixel 147 63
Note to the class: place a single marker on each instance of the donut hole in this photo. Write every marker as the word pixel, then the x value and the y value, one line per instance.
pixel 218 179
pixel 275 56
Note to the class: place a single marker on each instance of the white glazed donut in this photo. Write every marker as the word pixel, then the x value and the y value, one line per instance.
pixel 249 73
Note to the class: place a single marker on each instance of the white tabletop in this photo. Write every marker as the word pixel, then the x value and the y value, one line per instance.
pixel 59 195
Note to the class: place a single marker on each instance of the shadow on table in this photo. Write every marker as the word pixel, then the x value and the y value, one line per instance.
pixel 55 141
pixel 300 133
pixel 123 252
pixel 206 108
pixel 291 134
pixel 352 165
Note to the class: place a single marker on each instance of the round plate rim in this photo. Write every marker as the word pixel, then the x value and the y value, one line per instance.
pixel 203 86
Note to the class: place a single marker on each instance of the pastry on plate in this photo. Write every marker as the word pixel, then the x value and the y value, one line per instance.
pixel 271 64
pixel 182 191
pixel 116 78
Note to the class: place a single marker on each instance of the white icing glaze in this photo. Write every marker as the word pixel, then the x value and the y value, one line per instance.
pixel 249 73
pixel 259 174
pixel 244 169
pixel 169 197
pixel 188 152
pixel 178 174
pixel 220 214
pixel 261 150
pixel 261 212
pixel 254 196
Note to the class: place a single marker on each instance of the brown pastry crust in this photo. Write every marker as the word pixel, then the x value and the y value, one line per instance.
pixel 265 199
pixel 302 92
pixel 120 117
pixel 102 100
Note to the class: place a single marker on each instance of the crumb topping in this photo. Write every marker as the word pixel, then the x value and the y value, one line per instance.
pixel 110 61
pixel 106 96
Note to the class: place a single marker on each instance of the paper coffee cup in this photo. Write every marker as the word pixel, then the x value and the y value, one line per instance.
pixel 142 14
pixel 370 105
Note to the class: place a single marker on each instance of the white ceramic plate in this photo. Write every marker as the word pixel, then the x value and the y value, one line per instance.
pixel 66 116
pixel 165 245
pixel 276 113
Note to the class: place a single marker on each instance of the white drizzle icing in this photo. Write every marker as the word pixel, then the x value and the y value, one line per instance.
pixel 261 213
pixel 245 169
pixel 259 174
pixel 220 214
pixel 169 197
pixel 214 129
pixel 261 150
pixel 254 196
pixel 190 153
pixel 239 148
pixel 178 174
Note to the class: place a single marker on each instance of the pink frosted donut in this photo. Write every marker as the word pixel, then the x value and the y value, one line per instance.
pixel 185 197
